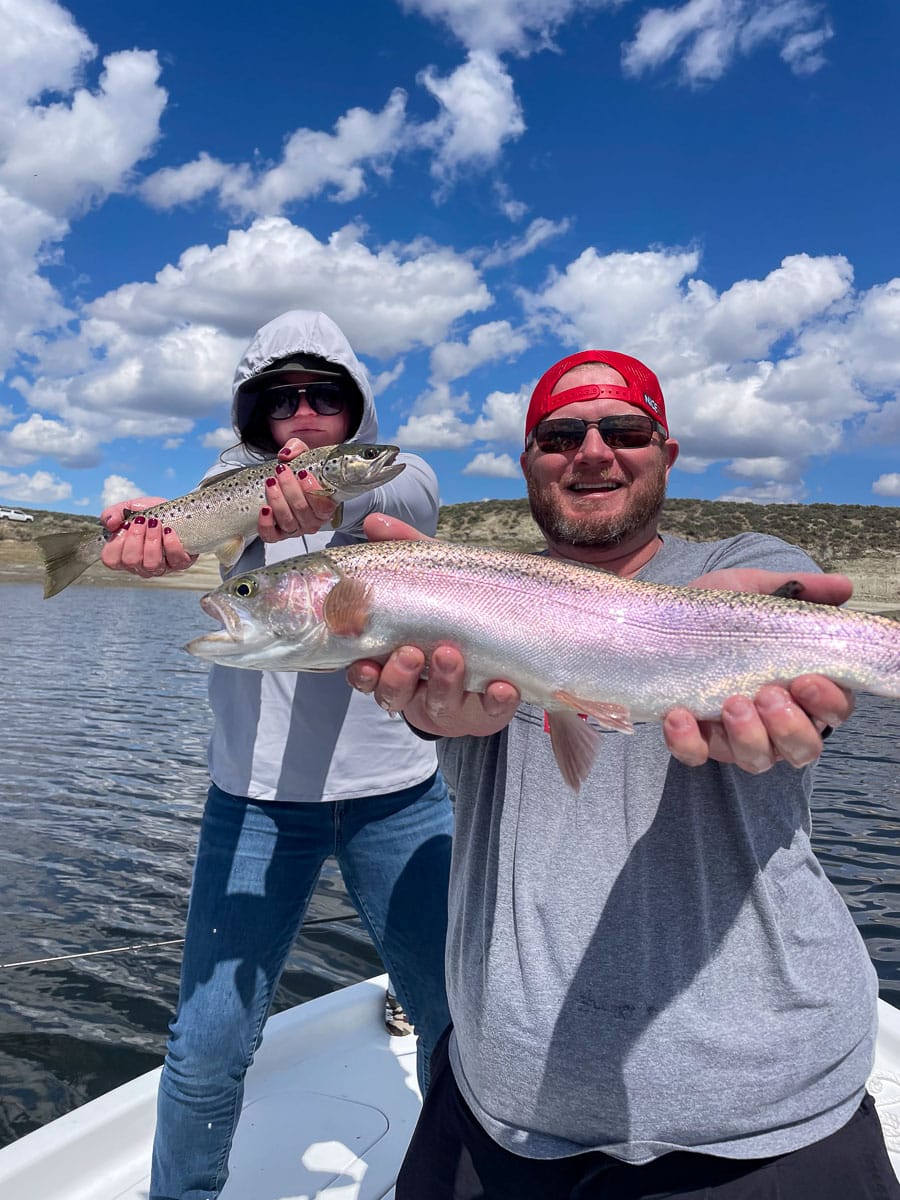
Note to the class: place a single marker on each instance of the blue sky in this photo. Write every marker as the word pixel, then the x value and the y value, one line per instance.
pixel 471 190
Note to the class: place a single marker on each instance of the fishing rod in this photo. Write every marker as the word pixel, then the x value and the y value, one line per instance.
pixel 32 962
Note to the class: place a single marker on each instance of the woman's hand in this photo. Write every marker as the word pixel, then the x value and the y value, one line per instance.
pixel 778 723
pixel 142 545
pixel 294 504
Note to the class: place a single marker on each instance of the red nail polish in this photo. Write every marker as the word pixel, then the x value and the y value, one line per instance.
pixel 166 531
pixel 270 483
pixel 281 467
pixel 140 520
pixel 301 474
pixel 266 511
pixel 152 523
pixel 126 525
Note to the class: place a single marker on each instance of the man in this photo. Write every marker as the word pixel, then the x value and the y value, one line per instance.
pixel 655 991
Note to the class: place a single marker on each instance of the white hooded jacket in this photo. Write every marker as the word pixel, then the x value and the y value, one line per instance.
pixel 308 737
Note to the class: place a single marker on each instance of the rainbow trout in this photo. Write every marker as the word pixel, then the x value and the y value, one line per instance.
pixel 572 639
pixel 220 515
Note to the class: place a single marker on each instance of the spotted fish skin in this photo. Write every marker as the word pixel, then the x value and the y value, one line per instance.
pixel 221 515
pixel 571 638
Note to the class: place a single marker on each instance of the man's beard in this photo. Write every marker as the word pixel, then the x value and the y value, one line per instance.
pixel 597 528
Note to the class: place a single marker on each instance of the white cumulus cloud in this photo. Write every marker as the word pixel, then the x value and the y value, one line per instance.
pixel 706 36
pixel 539 231
pixel 494 466
pixel 64 146
pixel 311 162
pixel 40 488
pixel 486 343
pixel 117 489
pixel 479 113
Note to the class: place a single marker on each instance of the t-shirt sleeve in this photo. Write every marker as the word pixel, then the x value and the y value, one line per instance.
pixel 758 550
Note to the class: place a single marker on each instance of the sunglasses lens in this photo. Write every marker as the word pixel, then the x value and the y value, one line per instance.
pixel 631 433
pixel 619 433
pixel 282 402
pixel 325 399
pixel 558 437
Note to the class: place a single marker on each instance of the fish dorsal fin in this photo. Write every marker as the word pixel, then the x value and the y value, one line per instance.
pixel 574 745
pixel 610 716
pixel 347 607
pixel 205 483
pixel 230 551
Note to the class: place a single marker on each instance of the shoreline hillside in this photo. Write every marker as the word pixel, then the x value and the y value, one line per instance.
pixel 862 541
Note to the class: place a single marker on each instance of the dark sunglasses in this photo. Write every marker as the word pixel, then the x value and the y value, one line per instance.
pixel 325 399
pixel 619 433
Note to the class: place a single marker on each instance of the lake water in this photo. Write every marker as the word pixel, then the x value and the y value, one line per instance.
pixel 102 781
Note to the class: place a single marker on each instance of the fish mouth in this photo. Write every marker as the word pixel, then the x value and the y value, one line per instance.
pixel 234 638
pixel 385 458
pixel 225 614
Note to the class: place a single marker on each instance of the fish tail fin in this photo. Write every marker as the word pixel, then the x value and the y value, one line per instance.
pixel 66 556
pixel 574 745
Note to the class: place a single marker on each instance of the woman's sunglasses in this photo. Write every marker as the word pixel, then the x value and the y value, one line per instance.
pixel 325 399
pixel 619 433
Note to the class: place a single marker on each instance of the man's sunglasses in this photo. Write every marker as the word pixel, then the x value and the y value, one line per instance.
pixel 619 433
pixel 325 399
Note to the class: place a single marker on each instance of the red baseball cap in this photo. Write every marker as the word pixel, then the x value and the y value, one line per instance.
pixel 641 387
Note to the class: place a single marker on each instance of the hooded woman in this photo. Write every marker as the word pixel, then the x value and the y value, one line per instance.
pixel 301 767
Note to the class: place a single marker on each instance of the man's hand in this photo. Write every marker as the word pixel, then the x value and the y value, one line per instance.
pixel 292 506
pixel 778 723
pixel 142 545
pixel 439 704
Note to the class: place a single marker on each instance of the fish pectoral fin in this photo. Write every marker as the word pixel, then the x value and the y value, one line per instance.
pixel 322 491
pixel 230 551
pixel 574 745
pixel 346 608
pixel 338 517
pixel 610 716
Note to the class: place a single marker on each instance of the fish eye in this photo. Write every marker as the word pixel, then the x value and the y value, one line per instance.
pixel 245 588
pixel 371 452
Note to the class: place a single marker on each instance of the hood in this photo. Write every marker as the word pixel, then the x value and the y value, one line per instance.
pixel 302 331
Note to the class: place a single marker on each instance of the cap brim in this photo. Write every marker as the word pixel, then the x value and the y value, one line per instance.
pixel 269 376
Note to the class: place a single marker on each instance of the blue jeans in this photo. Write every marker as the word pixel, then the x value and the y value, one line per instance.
pixel 257 865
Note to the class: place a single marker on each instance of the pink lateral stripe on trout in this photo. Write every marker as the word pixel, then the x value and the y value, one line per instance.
pixel 220 515
pixel 571 638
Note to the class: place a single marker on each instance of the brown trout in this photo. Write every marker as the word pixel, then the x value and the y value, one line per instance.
pixel 572 639
pixel 220 515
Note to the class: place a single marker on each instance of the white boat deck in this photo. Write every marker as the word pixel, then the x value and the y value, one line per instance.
pixel 329 1108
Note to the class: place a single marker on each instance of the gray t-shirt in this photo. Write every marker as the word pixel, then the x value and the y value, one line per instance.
pixel 656 963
